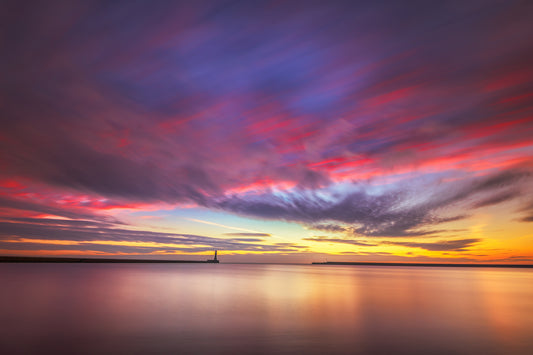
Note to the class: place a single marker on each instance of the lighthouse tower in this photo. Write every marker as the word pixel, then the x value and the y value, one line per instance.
pixel 215 260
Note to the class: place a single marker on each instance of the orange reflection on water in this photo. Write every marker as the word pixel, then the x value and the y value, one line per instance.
pixel 312 309
pixel 508 305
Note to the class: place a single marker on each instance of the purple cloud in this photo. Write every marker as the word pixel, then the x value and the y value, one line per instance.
pixel 381 119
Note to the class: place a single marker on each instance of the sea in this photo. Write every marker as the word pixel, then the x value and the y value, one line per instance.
pixel 48 308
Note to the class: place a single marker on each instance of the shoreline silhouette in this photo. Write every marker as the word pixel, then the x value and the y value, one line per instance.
pixel 421 264
pixel 38 259
pixel 31 259
pixel 46 259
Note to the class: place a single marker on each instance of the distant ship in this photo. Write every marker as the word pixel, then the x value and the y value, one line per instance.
pixel 215 260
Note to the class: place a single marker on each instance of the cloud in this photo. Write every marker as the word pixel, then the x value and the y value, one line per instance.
pixel 528 208
pixel 248 239
pixel 339 240
pixel 390 214
pixel 20 205
pixel 374 215
pixel 444 245
pixel 496 199
pixel 61 222
pixel 381 253
pixel 453 218
pixel 513 177
pixel 150 137
pixel 59 235
pixel 328 227
pixel 248 234
pixel 421 116
pixel 502 179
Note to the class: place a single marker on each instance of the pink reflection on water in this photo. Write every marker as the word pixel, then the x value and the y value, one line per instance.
pixel 113 308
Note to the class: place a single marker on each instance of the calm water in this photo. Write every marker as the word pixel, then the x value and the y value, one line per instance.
pixel 287 309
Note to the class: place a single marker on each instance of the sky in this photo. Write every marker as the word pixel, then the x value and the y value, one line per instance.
pixel 271 131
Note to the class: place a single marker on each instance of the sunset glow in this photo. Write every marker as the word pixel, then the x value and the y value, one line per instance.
pixel 269 131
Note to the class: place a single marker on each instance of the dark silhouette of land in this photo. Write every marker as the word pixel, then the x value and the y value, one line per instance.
pixel 422 264
pixel 33 259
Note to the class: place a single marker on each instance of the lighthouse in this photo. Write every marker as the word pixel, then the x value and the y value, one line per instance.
pixel 215 260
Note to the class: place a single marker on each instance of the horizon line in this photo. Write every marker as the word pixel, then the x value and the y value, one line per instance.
pixel 45 259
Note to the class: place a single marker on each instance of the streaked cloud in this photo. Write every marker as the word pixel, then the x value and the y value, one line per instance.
pixel 444 245
pixel 59 235
pixel 326 239
pixel 248 234
pixel 381 119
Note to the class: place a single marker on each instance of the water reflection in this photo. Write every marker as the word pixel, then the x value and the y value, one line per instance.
pixel 114 308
